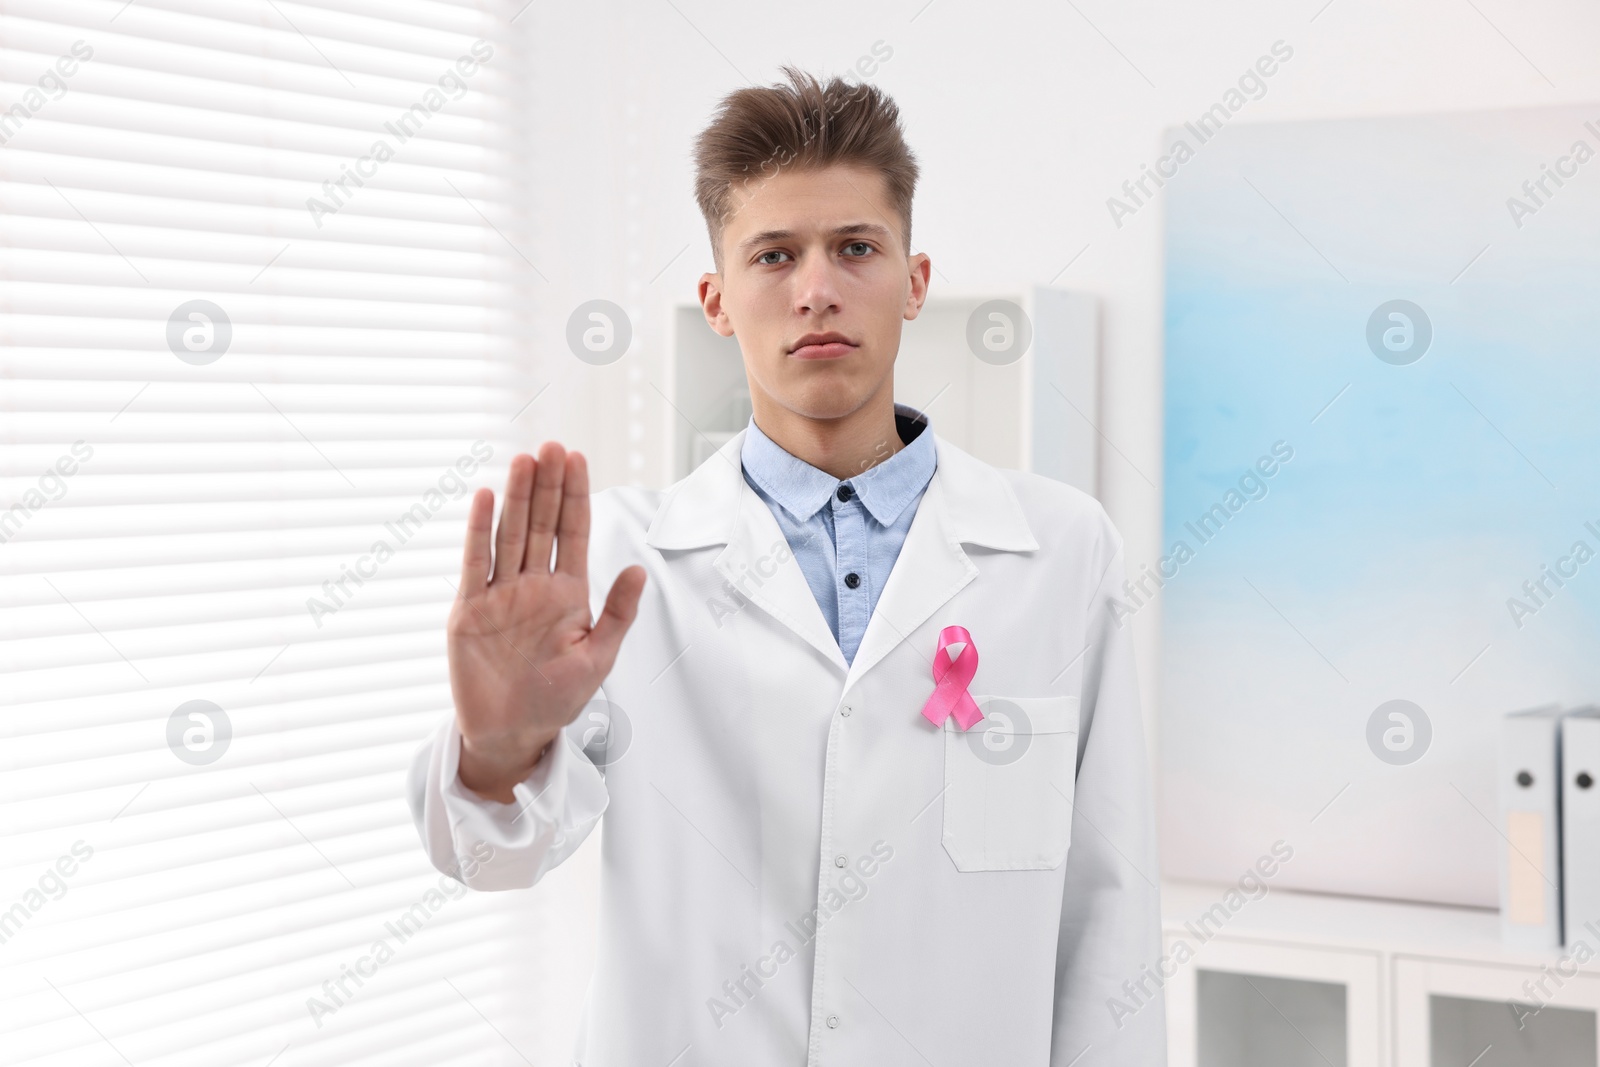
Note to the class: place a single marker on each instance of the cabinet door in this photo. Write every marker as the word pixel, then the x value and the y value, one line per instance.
pixel 1492 1015
pixel 1246 1003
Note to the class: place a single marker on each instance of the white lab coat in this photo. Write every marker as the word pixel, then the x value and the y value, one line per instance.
pixel 797 867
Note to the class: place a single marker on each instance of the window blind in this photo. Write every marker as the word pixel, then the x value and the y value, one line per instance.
pixel 260 298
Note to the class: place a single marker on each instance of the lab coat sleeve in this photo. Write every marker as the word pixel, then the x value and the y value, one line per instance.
pixel 1111 904
pixel 489 845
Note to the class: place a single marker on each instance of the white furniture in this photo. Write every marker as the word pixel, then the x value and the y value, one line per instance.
pixel 1018 391
pixel 1421 985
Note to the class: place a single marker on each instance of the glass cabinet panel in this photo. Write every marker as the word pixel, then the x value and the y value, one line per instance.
pixel 1497 1033
pixel 1249 1020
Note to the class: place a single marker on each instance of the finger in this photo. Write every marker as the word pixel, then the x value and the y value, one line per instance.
pixel 572 530
pixel 622 606
pixel 546 508
pixel 475 554
pixel 512 534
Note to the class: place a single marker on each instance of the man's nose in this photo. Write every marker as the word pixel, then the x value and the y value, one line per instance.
pixel 816 284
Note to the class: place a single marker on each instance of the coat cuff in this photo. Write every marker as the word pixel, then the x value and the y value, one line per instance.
pixel 489 845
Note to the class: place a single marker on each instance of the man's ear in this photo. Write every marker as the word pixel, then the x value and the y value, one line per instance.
pixel 711 304
pixel 920 267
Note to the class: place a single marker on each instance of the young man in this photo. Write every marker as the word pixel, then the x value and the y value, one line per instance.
pixel 816 852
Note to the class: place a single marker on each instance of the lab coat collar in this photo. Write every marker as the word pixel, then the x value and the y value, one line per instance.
pixel 966 502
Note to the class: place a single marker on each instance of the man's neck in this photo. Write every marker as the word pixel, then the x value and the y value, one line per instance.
pixel 844 447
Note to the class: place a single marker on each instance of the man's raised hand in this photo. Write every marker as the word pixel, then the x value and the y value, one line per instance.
pixel 524 656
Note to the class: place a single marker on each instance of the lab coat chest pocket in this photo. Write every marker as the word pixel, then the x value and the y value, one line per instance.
pixel 1009 784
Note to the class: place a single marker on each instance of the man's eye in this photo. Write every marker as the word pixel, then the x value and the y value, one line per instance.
pixel 762 258
pixel 862 246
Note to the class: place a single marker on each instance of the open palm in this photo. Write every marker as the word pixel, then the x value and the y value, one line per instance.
pixel 525 656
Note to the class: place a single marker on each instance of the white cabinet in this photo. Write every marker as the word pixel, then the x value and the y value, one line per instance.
pixel 1248 1003
pixel 1011 378
pixel 1493 1015
pixel 1286 978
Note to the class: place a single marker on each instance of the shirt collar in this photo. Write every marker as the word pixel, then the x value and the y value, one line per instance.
pixel 885 488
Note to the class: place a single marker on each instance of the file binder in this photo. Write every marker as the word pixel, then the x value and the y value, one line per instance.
pixel 1580 822
pixel 1530 828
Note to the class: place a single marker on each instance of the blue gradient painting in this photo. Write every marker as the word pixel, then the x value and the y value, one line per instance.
pixel 1399 318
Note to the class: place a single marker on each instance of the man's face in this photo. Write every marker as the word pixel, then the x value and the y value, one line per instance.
pixel 816 256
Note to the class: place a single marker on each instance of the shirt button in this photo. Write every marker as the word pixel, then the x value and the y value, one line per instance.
pixel 833 1022
pixel 839 861
pixel 852 579
pixel 845 493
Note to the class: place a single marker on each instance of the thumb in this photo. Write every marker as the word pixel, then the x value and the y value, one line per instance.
pixel 622 606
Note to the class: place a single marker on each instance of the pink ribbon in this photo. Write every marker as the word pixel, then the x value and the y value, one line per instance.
pixel 950 681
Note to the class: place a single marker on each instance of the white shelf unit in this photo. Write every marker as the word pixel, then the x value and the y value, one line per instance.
pixel 1039 412
pixel 1421 982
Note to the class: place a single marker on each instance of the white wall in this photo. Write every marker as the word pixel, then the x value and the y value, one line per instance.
pixel 1026 117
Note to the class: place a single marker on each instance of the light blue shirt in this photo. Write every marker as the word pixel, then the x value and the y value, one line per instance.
pixel 845 546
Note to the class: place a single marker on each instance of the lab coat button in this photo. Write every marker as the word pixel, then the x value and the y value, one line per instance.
pixel 833 1022
pixel 845 711
pixel 839 861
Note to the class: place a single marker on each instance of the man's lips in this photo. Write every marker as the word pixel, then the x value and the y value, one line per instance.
pixel 831 350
